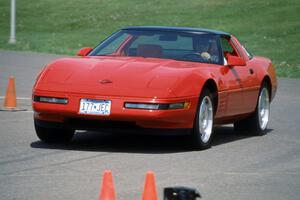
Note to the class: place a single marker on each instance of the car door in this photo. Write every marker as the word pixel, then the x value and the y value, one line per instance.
pixel 252 82
pixel 237 81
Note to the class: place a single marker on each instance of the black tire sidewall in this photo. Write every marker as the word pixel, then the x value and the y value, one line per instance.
pixel 53 135
pixel 250 125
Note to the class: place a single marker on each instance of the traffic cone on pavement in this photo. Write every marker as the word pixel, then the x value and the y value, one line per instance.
pixel 107 188
pixel 149 187
pixel 10 101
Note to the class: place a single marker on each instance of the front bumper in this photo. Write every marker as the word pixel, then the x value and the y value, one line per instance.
pixel 110 126
pixel 164 119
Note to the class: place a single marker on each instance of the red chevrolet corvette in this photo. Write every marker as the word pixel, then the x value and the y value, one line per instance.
pixel 157 79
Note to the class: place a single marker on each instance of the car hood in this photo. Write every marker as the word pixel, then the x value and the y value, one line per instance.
pixel 116 76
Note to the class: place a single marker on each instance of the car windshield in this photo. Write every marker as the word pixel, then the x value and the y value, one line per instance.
pixel 195 47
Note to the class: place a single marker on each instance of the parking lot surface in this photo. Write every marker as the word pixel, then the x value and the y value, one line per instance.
pixel 236 167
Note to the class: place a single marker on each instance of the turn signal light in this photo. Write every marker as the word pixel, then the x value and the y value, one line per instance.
pixel 146 106
pixel 156 106
pixel 50 100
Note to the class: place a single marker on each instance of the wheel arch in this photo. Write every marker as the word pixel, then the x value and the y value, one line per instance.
pixel 211 85
pixel 267 80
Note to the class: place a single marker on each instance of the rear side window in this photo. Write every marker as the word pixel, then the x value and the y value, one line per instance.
pixel 249 54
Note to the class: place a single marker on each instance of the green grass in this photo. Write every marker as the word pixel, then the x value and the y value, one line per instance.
pixel 268 28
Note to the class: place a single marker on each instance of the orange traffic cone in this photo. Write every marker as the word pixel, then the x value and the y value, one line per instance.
pixel 10 101
pixel 149 187
pixel 107 189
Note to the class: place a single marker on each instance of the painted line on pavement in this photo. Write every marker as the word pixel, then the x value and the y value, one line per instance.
pixel 20 98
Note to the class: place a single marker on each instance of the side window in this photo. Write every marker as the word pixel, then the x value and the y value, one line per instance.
pixel 227 47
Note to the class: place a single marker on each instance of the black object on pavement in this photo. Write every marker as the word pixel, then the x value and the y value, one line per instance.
pixel 181 193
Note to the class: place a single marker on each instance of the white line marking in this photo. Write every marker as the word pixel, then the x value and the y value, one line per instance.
pixel 20 98
pixel 91 173
pixel 16 111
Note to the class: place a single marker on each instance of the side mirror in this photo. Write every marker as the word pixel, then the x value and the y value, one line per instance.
pixel 181 193
pixel 84 51
pixel 235 61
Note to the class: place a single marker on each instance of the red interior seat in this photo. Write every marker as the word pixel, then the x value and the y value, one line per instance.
pixel 149 50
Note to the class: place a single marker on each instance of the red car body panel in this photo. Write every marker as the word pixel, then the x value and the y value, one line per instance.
pixel 151 80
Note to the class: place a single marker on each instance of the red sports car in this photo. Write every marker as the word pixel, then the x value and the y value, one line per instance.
pixel 156 79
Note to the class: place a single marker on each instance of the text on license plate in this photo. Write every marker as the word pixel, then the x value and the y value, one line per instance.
pixel 95 107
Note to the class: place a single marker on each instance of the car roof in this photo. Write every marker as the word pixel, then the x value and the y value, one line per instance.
pixel 177 29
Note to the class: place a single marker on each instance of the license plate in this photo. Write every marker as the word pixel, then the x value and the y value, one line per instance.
pixel 94 107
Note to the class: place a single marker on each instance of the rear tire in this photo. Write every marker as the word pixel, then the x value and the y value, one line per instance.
pixel 203 125
pixel 256 123
pixel 53 135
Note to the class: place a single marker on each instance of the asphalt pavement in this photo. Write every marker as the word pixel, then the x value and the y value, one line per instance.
pixel 236 167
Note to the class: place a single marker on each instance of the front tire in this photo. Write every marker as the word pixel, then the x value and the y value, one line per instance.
pixel 204 121
pixel 256 124
pixel 53 135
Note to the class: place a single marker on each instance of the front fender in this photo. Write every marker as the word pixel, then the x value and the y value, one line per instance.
pixel 192 84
